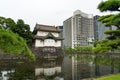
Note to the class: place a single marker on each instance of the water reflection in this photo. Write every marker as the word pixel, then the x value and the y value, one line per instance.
pixel 42 69
pixel 75 67
pixel 89 66
pixel 4 74
pixel 48 69
pixel 16 70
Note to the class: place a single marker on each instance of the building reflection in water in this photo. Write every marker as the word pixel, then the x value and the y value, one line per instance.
pixel 89 66
pixel 86 66
pixel 81 69
pixel 49 69
pixel 67 68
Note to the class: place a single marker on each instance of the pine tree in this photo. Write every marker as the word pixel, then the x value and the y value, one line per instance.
pixel 112 42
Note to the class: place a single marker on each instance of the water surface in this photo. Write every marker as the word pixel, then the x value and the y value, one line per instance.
pixel 75 67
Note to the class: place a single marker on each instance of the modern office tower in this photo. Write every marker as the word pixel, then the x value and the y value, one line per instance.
pixel 78 30
pixel 100 28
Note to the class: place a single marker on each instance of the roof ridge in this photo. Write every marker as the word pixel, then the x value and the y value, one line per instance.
pixel 45 25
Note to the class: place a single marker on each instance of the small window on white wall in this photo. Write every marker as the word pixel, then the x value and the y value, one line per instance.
pixel 49 42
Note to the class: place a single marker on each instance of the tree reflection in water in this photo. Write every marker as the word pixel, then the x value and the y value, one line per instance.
pixel 89 65
pixel 42 69
pixel 16 70
pixel 79 67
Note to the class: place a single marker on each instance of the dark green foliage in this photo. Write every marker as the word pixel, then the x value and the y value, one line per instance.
pixel 109 5
pixel 24 31
pixel 116 21
pixel 9 24
pixel 79 49
pixel 111 19
pixel 13 44
pixel 106 19
pixel 84 49
pixel 10 40
pixel 70 50
pixel 113 40
pixel 112 31
pixel 107 46
pixel 114 34
pixel 20 28
pixel 2 20
pixel 101 47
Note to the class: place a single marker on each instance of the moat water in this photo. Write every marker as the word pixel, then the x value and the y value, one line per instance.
pixel 75 67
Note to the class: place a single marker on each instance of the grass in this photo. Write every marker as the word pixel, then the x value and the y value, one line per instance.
pixel 14 44
pixel 110 77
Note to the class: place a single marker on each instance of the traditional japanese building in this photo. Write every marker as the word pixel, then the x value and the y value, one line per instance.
pixel 47 40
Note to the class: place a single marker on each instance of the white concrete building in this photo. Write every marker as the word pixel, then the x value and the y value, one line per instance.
pixel 78 30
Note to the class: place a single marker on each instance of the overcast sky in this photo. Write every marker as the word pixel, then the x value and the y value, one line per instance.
pixel 48 12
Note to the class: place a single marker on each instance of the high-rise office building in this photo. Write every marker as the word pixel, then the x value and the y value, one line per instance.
pixel 78 30
pixel 100 28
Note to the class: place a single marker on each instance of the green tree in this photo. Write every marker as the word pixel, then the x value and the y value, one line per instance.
pixel 84 49
pixel 102 46
pixel 113 40
pixel 13 44
pixel 19 27
pixel 24 31
pixel 7 23
pixel 2 20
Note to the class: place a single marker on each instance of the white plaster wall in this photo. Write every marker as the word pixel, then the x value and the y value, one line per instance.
pixel 49 71
pixel 58 69
pixel 38 71
pixel 39 43
pixel 41 33
pixel 58 44
pixel 49 42
pixel 55 34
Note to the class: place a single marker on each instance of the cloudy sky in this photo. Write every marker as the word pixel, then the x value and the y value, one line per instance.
pixel 49 12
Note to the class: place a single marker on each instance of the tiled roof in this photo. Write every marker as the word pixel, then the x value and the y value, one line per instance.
pixel 40 27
